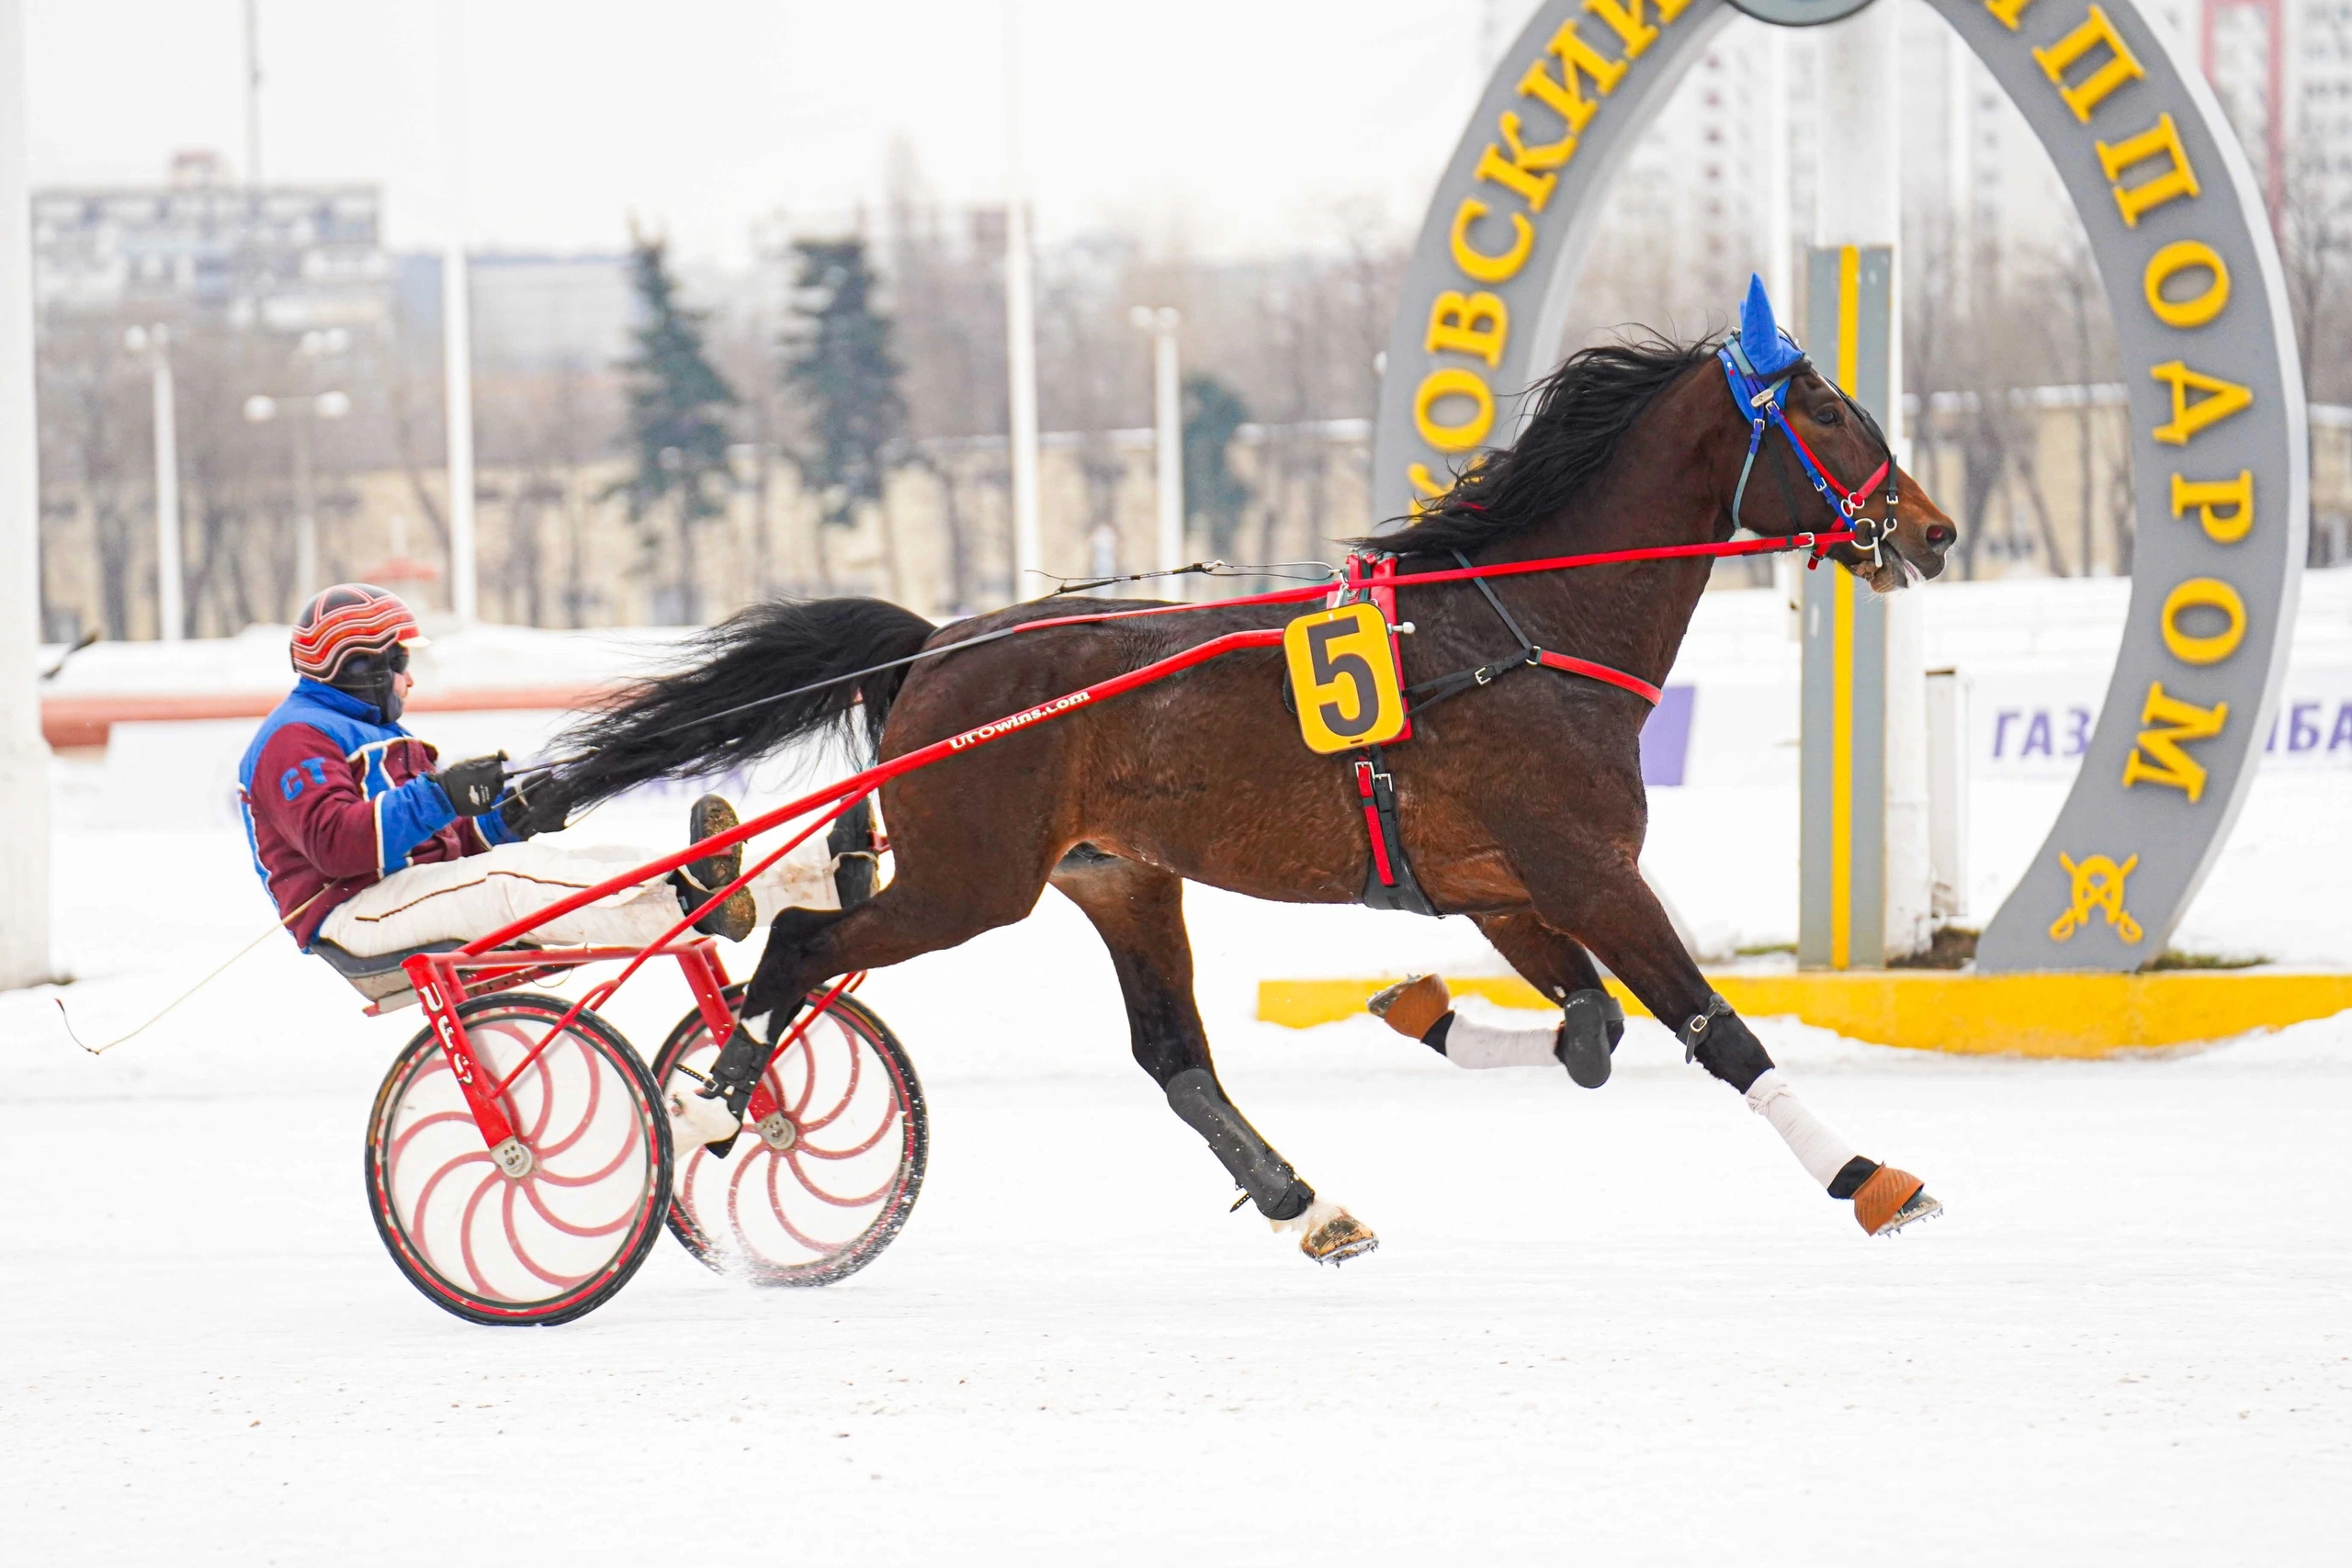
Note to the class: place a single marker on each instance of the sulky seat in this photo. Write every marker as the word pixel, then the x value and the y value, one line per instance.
pixel 379 977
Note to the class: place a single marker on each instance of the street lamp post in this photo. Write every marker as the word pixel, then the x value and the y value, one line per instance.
pixel 302 411
pixel 1168 428
pixel 171 616
pixel 1020 329
pixel 457 318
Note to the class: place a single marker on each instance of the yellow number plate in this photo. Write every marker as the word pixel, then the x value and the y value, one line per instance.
pixel 1344 675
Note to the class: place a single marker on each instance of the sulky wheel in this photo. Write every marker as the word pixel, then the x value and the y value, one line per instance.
pixel 817 1197
pixel 557 1242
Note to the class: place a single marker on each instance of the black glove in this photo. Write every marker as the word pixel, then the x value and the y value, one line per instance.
pixel 474 785
pixel 536 808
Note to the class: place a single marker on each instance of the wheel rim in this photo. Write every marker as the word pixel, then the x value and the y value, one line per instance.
pixel 536 1243
pixel 800 1212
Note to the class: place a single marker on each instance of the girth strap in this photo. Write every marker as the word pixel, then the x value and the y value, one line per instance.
pixel 1388 884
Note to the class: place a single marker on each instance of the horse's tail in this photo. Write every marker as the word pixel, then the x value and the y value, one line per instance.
pixel 719 709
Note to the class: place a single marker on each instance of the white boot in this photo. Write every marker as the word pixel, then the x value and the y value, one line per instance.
pixel 696 1119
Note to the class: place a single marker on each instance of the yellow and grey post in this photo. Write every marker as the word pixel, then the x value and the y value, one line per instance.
pixel 1841 910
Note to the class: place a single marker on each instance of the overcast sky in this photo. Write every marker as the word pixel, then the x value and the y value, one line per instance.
pixel 1229 126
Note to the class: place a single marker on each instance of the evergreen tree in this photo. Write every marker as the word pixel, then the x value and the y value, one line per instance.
pixel 837 357
pixel 1214 493
pixel 677 408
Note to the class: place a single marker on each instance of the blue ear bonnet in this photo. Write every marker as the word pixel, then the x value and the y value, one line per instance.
pixel 1766 351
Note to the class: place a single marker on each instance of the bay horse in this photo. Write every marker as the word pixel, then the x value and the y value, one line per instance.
pixel 1520 802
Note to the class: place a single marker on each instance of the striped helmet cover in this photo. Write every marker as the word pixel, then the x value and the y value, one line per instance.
pixel 346 620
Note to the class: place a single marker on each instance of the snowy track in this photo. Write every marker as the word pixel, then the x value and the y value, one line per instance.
pixel 1604 1327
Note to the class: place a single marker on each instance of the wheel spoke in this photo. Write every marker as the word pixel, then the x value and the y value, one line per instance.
pixel 889 1120
pixel 466 1238
pixel 588 1112
pixel 849 1091
pixel 439 1118
pixel 530 1189
pixel 522 1253
pixel 824 1197
pixel 775 1205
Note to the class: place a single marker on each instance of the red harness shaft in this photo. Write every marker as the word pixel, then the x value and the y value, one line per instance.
pixel 1815 542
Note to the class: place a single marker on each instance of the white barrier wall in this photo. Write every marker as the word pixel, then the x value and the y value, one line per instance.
pixel 2037 654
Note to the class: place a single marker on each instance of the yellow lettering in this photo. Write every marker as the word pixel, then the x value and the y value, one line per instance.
pixel 1564 96
pixel 2162 139
pixel 2085 95
pixel 2211 593
pixel 1474 323
pixel 1521 171
pixel 1454 382
pixel 2208 495
pixel 1484 266
pixel 1626 23
pixel 2221 400
pixel 2179 257
pixel 2008 13
pixel 2174 722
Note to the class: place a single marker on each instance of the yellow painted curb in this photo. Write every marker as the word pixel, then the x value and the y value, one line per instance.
pixel 2029 1015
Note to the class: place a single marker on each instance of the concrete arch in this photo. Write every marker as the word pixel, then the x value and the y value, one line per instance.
pixel 2219 451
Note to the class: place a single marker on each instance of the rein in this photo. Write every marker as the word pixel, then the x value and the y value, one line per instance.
pixel 1818 544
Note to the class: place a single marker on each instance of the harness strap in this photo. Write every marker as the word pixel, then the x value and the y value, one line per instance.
pixel 1747 466
pixel 1389 884
pixel 1381 865
pixel 1572 665
pixel 1526 644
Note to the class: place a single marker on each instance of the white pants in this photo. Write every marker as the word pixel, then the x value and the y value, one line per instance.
pixel 459 900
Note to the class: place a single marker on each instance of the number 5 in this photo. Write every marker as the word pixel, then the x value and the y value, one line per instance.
pixel 1332 669
pixel 1345 675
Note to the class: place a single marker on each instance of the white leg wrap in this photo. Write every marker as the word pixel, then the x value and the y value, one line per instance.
pixel 1469 1045
pixel 1822 1152
pixel 693 1119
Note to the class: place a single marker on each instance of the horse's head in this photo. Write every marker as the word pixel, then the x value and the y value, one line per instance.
pixel 1817 460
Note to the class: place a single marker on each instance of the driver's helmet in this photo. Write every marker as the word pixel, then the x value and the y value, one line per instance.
pixel 348 620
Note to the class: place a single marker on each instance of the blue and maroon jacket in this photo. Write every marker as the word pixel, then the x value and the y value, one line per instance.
pixel 335 798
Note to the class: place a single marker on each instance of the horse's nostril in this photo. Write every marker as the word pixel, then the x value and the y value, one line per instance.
pixel 1941 533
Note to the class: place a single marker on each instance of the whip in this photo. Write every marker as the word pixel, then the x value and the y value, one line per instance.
pixel 268 932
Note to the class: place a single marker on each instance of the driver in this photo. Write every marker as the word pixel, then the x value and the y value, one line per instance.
pixel 363 843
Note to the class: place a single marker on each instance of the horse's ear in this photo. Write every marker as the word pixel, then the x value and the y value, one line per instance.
pixel 1767 348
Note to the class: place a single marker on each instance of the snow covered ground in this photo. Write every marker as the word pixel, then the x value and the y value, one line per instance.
pixel 1612 1327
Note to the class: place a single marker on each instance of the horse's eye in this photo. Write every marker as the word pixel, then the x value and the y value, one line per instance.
pixel 1826 415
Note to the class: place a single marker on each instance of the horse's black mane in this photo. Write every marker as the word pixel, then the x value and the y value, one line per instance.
pixel 1583 410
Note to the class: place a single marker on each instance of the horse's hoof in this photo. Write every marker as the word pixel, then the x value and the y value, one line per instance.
pixel 1331 1234
pixel 1890 1199
pixel 1412 1005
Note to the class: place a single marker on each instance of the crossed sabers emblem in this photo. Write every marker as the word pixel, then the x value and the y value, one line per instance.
pixel 2099 890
